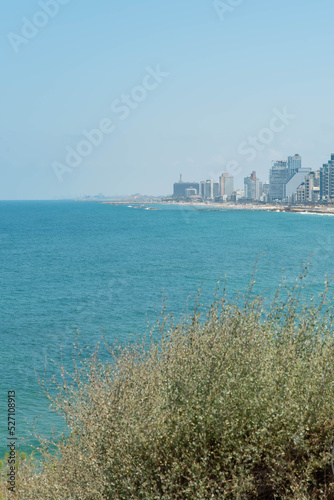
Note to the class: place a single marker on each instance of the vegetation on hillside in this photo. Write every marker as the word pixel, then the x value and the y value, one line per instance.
pixel 236 403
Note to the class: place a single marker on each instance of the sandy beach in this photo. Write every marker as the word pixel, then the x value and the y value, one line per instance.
pixel 317 209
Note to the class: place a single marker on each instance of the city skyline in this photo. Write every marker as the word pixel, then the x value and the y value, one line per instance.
pixel 289 182
pixel 117 98
pixel 290 169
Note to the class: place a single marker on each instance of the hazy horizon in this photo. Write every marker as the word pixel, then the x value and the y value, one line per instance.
pixel 146 91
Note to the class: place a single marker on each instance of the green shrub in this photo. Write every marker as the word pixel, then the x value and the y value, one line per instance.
pixel 235 404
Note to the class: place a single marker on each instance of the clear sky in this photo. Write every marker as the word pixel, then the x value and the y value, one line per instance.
pixel 177 86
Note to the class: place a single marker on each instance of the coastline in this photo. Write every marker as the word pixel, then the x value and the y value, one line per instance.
pixel 237 207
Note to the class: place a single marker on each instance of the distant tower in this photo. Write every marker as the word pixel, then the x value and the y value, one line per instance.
pixel 327 180
pixel 226 185
pixel 278 177
pixel 294 164
pixel 252 187
pixel 181 178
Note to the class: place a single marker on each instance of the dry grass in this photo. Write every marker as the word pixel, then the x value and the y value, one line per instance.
pixel 238 404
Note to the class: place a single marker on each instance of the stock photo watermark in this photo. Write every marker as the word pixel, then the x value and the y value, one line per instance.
pixel 122 108
pixel 11 402
pixel 250 148
pixel 258 143
pixel 224 8
pixel 255 144
pixel 31 27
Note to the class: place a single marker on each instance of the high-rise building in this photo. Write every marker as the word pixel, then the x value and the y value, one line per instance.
pixel 294 164
pixel 266 188
pixel 252 187
pixel 327 180
pixel 277 179
pixel 312 186
pixel 226 185
pixel 265 191
pixel 181 187
pixel 209 190
pixel 290 188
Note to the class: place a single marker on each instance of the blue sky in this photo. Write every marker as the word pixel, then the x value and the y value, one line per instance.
pixel 68 65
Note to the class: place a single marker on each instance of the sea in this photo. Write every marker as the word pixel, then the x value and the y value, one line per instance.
pixel 83 270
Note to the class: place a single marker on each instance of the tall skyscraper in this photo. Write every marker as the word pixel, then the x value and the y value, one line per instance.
pixel 209 190
pixel 226 184
pixel 327 180
pixel 252 187
pixel 312 186
pixel 277 179
pixel 294 164
pixel 266 188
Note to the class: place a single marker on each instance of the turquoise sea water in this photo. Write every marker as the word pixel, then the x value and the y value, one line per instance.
pixel 97 268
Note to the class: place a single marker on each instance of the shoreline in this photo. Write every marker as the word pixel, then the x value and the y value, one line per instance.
pixel 236 207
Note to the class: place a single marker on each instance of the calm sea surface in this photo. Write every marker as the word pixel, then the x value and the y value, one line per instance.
pixel 94 268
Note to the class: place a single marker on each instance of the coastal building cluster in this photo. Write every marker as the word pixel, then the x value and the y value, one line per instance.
pixel 206 190
pixel 289 182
